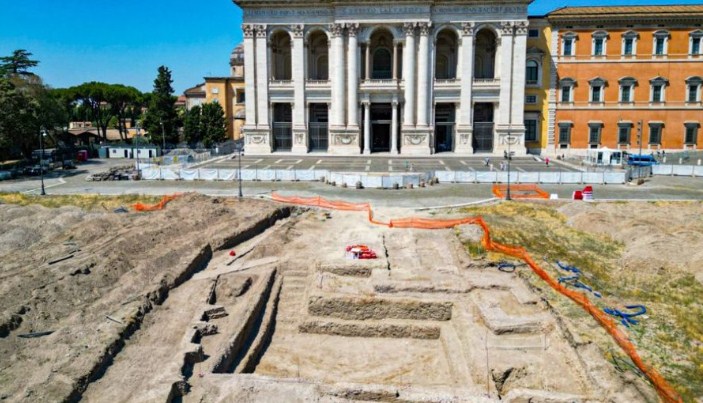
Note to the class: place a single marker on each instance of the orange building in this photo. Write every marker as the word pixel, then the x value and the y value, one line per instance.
pixel 618 66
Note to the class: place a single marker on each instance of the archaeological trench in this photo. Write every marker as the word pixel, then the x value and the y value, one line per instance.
pixel 286 317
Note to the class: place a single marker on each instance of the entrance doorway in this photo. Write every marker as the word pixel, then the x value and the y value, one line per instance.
pixel 381 128
pixel 318 127
pixel 282 127
pixel 483 128
pixel 444 127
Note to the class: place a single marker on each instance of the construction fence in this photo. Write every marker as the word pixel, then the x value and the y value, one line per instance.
pixel 678 170
pixel 382 180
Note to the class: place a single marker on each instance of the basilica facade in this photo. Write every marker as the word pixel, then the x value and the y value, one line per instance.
pixel 416 78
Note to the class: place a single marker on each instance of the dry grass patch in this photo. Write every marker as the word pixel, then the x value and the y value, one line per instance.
pixel 670 337
pixel 85 202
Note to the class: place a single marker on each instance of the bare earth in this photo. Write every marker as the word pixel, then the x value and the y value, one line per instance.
pixel 152 307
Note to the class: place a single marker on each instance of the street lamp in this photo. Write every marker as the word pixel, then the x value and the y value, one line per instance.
pixel 42 133
pixel 639 140
pixel 163 137
pixel 136 144
pixel 239 174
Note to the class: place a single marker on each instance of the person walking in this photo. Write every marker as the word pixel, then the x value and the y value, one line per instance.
pixel 546 160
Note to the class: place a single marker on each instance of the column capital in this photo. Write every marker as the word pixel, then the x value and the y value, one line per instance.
pixel 336 30
pixel 298 30
pixel 506 28
pixel 424 28
pixel 521 27
pixel 352 28
pixel 409 29
pixel 467 28
pixel 249 30
pixel 261 31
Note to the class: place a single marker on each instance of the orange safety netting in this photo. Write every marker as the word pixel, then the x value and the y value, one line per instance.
pixel 666 392
pixel 154 207
pixel 518 191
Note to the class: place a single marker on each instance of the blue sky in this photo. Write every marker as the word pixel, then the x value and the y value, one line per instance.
pixel 126 41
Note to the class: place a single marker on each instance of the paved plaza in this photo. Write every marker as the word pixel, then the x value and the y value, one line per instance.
pixel 389 164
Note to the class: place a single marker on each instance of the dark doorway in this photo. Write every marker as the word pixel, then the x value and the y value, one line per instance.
pixel 282 127
pixel 381 127
pixel 444 127
pixel 318 127
pixel 483 127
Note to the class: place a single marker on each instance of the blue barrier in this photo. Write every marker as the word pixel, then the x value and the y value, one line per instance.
pixel 506 267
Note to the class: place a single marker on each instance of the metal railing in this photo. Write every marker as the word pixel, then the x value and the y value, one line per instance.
pixel 318 134
pixel 282 135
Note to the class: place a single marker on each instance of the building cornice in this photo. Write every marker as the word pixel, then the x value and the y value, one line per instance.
pixel 333 3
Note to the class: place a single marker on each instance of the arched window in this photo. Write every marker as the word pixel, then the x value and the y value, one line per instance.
pixel 532 72
pixel 281 53
pixel 317 53
pixel 484 65
pixel 382 64
pixel 446 50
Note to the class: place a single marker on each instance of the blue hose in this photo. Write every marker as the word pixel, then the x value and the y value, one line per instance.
pixel 625 317
pixel 506 267
pixel 566 267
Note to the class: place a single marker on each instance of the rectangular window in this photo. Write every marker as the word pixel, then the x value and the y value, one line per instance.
pixel 659 46
pixel 628 46
pixel 566 93
pixel 598 47
pixel 568 46
pixel 691 134
pixel 530 129
pixel 564 134
pixel 532 73
pixel 624 134
pixel 626 93
pixel 696 46
pixel 596 93
pixel 241 97
pixel 533 33
pixel 656 93
pixel 531 99
pixel 594 135
pixel 692 93
pixel 655 134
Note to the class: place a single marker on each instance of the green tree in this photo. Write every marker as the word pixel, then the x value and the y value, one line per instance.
pixel 191 126
pixel 213 124
pixel 123 101
pixel 18 63
pixel 18 120
pixel 93 96
pixel 161 117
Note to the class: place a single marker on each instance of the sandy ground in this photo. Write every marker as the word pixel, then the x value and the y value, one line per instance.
pixel 289 318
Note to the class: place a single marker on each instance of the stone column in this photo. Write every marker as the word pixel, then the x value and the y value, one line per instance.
pixel 367 127
pixel 463 142
pixel 249 77
pixel 518 98
pixel 505 74
pixel 394 126
pixel 423 76
pixel 352 78
pixel 337 63
pixel 262 77
pixel 298 74
pixel 409 75
pixel 395 60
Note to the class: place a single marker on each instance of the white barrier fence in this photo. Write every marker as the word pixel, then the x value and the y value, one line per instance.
pixel 678 170
pixel 389 180
pixel 532 177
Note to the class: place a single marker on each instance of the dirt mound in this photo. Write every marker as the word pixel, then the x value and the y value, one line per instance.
pixel 648 235
pixel 90 277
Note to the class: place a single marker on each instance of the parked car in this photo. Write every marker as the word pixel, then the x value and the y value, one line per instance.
pixel 35 170
pixel 69 164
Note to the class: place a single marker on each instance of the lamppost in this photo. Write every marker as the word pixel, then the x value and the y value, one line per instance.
pixel 136 144
pixel 42 133
pixel 639 140
pixel 239 173
pixel 163 137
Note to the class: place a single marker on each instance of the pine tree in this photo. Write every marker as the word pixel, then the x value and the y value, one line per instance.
pixel 18 63
pixel 162 110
